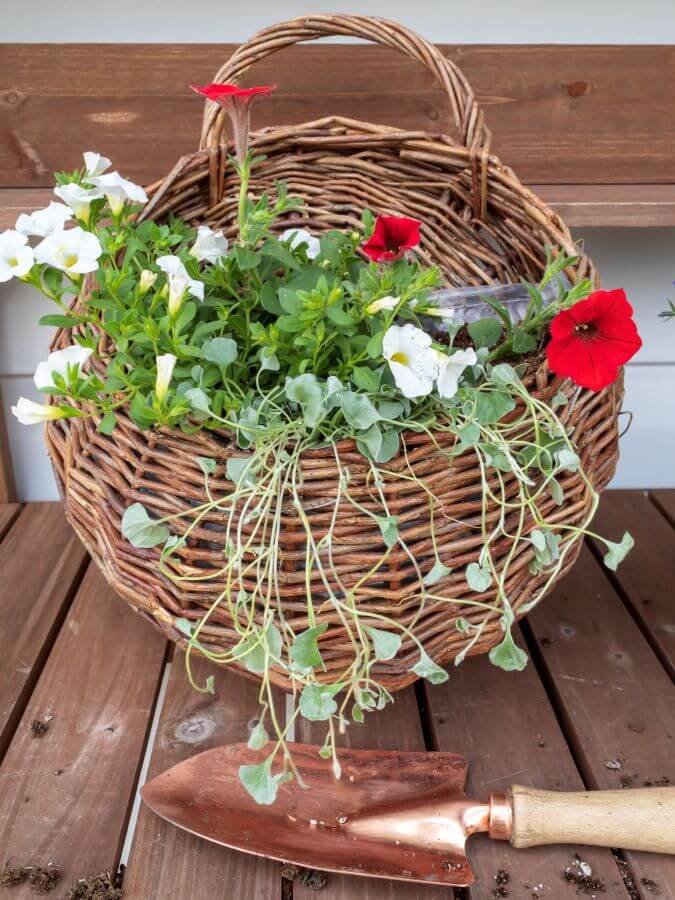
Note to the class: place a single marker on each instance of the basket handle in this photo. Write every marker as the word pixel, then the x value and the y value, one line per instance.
pixel 466 112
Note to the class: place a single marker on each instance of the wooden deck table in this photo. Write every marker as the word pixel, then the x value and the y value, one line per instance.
pixel 595 708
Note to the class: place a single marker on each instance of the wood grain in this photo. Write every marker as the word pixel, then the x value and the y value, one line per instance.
pixel 64 797
pixel 614 698
pixel 8 513
pixel 7 485
pixel 506 728
pixel 132 103
pixel 396 727
pixel 169 863
pixel 41 562
pixel 646 576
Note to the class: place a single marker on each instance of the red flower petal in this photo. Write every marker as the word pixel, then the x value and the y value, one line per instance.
pixel 220 92
pixel 391 237
pixel 593 338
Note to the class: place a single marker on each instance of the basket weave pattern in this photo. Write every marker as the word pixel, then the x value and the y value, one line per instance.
pixel 480 226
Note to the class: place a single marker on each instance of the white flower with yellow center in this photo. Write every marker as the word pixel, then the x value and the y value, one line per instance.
pixel 79 199
pixel 74 251
pixel 383 303
pixel 179 282
pixel 412 359
pixel 44 221
pixel 16 258
pixel 118 190
pixel 95 164
pixel 299 236
pixel 210 245
pixel 28 412
pixel 451 368
pixel 165 366
pixel 58 363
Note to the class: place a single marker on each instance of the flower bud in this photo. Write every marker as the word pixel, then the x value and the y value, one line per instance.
pixel 146 281
pixel 383 303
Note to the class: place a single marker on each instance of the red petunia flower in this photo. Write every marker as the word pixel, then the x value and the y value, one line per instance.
pixel 236 102
pixel 393 235
pixel 593 338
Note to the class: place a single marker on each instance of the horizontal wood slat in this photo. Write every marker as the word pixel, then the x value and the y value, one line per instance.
pixel 41 561
pixel 65 796
pixel 505 726
pixel 559 114
pixel 167 862
pixel 614 698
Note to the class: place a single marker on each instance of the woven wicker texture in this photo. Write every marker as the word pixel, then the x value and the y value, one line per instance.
pixel 481 226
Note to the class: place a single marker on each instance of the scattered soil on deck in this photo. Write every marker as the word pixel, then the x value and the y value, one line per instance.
pixel 502 879
pixel 311 878
pixel 580 875
pixel 41 881
pixel 97 887
pixel 38 728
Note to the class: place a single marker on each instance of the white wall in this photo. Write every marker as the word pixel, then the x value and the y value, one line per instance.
pixel 640 260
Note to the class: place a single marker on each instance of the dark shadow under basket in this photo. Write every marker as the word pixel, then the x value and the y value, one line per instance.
pixel 480 226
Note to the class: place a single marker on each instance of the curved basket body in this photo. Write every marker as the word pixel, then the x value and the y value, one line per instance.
pixel 480 226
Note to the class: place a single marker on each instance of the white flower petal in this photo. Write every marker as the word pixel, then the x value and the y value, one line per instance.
pixel 299 236
pixel 383 303
pixel 210 245
pixel 451 368
pixel 44 221
pixel 413 362
pixel 74 251
pixel 16 258
pixel 28 412
pixel 58 362
pixel 173 265
pixel 165 366
pixel 95 164
pixel 118 190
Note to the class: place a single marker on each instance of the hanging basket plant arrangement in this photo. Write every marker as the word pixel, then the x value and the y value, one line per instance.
pixel 294 416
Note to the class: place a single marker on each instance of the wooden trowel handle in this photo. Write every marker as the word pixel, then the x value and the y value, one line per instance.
pixel 640 819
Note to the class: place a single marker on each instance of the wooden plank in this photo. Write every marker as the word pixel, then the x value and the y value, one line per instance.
pixel 504 724
pixel 623 205
pixel 538 100
pixel 665 501
pixel 8 513
pixel 645 578
pixel 41 562
pixel 165 861
pixel 396 727
pixel 7 485
pixel 614 698
pixel 65 797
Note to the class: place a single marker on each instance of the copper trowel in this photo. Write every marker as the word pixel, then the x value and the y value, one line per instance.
pixel 394 815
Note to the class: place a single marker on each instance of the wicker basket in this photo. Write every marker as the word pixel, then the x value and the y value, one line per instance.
pixel 481 226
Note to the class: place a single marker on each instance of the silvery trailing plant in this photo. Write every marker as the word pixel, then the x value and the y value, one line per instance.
pixel 289 341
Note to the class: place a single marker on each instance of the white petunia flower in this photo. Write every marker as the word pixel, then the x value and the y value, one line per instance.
pixel 210 245
pixel 165 365
pixel 58 363
pixel 118 190
pixel 173 266
pixel 383 303
pixel 16 258
pixel 451 367
pixel 178 287
pixel 74 251
pixel 95 164
pixel 413 361
pixel 79 199
pixel 146 281
pixel 44 221
pixel 28 412
pixel 299 236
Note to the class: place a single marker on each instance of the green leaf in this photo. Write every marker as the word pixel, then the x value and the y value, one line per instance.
pixel 207 465
pixel 276 250
pixel 427 668
pixel 246 259
pixel 388 525
pixel 317 703
pixel 359 411
pixel 366 379
pixel 438 571
pixel 538 538
pixel 369 442
pixel 260 783
pixel 567 459
pixel 221 350
pixel 478 578
pixel 504 374
pixel 258 736
pixel 374 345
pixel 522 342
pixel 268 360
pixel 107 423
pixel 240 470
pixel 491 406
pixel 385 643
pixel 305 648
pixel 556 492
pixel 306 391
pixel 485 332
pixel 339 317
pixel 508 656
pixel 54 320
pixel 140 530
pixel 251 652
pixel 269 300
pixel 389 448
pixel 140 412
pixel 616 553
